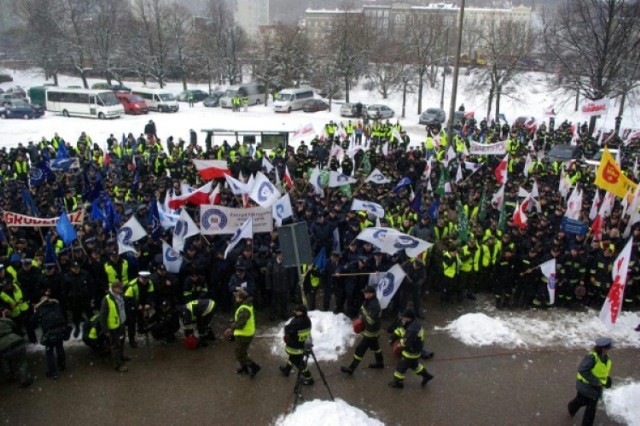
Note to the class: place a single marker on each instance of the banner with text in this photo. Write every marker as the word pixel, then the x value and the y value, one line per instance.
pixel 498 148
pixel 218 220
pixel 20 220
pixel 591 108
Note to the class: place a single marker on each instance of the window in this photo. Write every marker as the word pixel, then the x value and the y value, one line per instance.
pixel 400 19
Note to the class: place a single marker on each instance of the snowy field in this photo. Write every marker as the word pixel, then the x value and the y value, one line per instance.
pixel 531 96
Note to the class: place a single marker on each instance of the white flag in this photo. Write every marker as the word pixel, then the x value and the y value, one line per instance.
pixel 264 192
pixel 171 259
pixel 371 207
pixel 185 228
pixel 564 185
pixel 244 231
pixel 534 190
pixel 459 175
pixel 574 204
pixel 316 181
pixel 339 179
pixel 128 234
pixel 385 149
pixel 548 269
pixel 450 155
pixel 389 284
pixel 594 206
pixel 497 201
pixel 376 235
pixel 266 164
pixel 167 220
pixel 237 187
pixel 613 304
pixel 282 209
pixel 411 245
pixel 527 165
pixel 377 177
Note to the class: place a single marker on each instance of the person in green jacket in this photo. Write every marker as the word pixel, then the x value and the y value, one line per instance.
pixel 13 352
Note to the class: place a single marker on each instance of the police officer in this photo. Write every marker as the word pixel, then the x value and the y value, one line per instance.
pixel 198 312
pixel 296 332
pixel 112 319
pixel 243 329
pixel 370 313
pixel 593 376
pixel 411 336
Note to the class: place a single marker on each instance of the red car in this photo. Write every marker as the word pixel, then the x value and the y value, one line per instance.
pixel 133 104
pixel 315 105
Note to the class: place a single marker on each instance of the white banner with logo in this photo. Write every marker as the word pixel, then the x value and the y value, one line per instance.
pixel 218 220
pixel 591 108
pixel 498 148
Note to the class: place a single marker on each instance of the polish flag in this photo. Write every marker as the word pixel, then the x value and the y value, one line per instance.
pixel 613 304
pixel 501 171
pixel 215 197
pixel 198 196
pixel 594 205
pixel 497 201
pixel 287 177
pixel 520 214
pixel 211 169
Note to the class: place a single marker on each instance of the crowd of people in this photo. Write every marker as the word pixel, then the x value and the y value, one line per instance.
pixel 88 288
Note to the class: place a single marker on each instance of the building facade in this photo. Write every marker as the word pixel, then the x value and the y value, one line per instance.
pixel 252 14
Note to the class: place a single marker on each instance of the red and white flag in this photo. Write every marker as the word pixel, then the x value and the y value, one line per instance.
pixel 198 196
pixel 501 171
pixel 613 304
pixel 520 214
pixel 303 131
pixel 211 169
pixel 594 205
pixel 215 197
pixel 287 177
pixel 550 111
pixel 497 201
pixel 427 168
pixel 574 204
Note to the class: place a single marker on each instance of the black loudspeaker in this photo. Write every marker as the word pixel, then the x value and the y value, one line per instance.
pixel 295 244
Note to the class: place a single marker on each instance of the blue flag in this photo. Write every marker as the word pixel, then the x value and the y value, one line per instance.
pixel 433 210
pixel 62 161
pixel 321 259
pixel 66 230
pixel 403 182
pixel 112 216
pixel 49 251
pixel 153 218
pixel 416 203
pixel 28 203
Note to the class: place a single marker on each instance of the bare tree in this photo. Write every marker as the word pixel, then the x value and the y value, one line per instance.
pixel 386 63
pixel 42 37
pixel 151 50
pixel 504 44
pixel 77 18
pixel 591 41
pixel 422 37
pixel 181 33
pixel 106 34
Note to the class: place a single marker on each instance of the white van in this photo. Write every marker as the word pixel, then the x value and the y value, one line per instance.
pixel 292 99
pixel 255 92
pixel 158 99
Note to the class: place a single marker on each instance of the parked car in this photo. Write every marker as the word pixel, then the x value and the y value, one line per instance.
pixel 595 159
pixel 198 95
pixel 133 104
pixel 351 110
pixel 18 108
pixel 213 100
pixel 315 105
pixel 433 116
pixel 16 92
pixel 378 112
pixel 113 87
pixel 5 78
pixel 7 98
pixel 564 152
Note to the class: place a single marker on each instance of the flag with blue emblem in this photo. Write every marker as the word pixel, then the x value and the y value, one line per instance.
pixel 315 179
pixel 128 234
pixel 171 259
pixel 39 174
pixel 153 218
pixel 244 231
pixel 387 284
pixel 321 259
pixel 263 192
pixel 66 230
pixel 339 179
pixel 398 241
pixel 282 210
pixel 369 206
pixel 62 161
pixel 377 177
pixel 185 228
pixel 403 182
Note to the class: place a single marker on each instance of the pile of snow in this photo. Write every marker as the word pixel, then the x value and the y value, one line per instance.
pixel 327 413
pixel 623 403
pixel 71 343
pixel 542 329
pixel 332 336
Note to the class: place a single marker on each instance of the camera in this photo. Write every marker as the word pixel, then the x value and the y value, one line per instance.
pixel 308 344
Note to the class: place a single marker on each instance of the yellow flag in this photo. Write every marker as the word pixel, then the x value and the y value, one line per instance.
pixel 610 177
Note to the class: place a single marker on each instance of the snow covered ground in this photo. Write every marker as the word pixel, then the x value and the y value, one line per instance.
pixel 327 413
pixel 332 336
pixel 530 97
pixel 622 402
pixel 540 329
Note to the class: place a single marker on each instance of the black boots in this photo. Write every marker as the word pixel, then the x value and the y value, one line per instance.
pixel 242 370
pixel 395 383
pixel 351 368
pixel 426 377
pixel 254 368
pixel 379 361
pixel 286 370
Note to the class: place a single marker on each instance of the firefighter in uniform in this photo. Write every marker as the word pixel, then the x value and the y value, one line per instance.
pixel 370 313
pixel 593 375
pixel 411 336
pixel 243 329
pixel 296 332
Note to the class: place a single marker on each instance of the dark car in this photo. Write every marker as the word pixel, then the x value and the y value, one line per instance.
pixel 213 100
pixel 116 88
pixel 18 108
pixel 564 152
pixel 432 116
pixel 315 105
pixel 198 95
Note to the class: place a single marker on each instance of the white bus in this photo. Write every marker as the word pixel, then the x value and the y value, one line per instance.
pixel 84 103
pixel 292 99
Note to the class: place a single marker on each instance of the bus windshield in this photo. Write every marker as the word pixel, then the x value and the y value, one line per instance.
pixel 230 93
pixel 109 99
pixel 285 97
